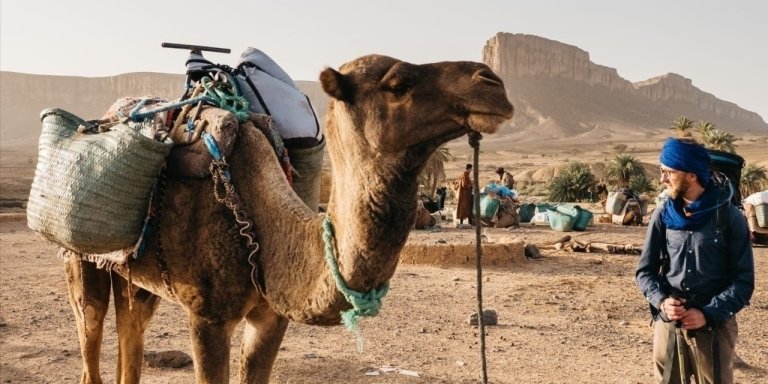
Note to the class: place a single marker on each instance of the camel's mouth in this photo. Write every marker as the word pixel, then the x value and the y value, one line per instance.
pixel 487 122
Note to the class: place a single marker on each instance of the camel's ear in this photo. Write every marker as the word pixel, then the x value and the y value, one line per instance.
pixel 336 85
pixel 401 77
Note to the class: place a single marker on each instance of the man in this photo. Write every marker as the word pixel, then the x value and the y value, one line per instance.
pixel 464 196
pixel 441 193
pixel 696 271
pixel 505 178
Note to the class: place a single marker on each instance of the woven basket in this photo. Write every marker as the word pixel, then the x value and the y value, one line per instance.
pixel 761 211
pixel 90 192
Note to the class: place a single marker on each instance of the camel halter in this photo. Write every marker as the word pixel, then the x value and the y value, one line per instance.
pixel 363 303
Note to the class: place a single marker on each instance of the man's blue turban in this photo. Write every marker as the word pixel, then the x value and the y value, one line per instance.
pixel 687 157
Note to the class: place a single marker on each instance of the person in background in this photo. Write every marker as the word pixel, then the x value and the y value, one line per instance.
pixel 464 196
pixel 695 271
pixel 441 193
pixel 505 178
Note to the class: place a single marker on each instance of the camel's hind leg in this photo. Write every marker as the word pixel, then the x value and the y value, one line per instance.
pixel 89 297
pixel 131 324
pixel 262 336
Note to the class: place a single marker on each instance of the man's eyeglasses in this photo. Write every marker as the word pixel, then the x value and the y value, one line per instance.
pixel 667 172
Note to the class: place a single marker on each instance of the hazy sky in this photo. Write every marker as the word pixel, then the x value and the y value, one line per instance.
pixel 721 45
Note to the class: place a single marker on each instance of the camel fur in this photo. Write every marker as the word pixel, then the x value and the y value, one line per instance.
pixel 385 118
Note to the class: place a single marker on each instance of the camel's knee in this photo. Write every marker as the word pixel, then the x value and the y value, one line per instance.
pixel 89 290
pixel 133 305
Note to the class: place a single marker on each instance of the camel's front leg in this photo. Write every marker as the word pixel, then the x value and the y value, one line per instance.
pixel 131 324
pixel 211 341
pixel 262 336
pixel 89 297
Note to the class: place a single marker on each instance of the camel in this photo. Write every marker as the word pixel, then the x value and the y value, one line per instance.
pixel 385 118
pixel 506 216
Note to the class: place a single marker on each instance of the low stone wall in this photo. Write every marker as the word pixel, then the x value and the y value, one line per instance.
pixel 497 254
pixel 13 216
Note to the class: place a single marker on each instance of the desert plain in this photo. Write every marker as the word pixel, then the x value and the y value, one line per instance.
pixel 562 318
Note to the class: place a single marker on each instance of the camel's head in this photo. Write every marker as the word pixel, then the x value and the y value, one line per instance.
pixel 392 106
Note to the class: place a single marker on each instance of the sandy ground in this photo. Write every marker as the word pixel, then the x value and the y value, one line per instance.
pixel 563 318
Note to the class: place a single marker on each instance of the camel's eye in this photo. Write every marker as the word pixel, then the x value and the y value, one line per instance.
pixel 488 76
pixel 400 78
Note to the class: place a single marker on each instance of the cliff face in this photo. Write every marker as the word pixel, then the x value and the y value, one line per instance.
pixel 558 86
pixel 527 55
pixel 23 96
pixel 675 87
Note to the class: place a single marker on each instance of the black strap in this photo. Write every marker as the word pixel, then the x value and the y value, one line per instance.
pixel 716 377
pixel 317 123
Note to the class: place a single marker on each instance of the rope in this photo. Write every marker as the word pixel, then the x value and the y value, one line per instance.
pixel 363 303
pixel 213 149
pixel 136 116
pixel 474 142
pixel 224 97
pixel 218 93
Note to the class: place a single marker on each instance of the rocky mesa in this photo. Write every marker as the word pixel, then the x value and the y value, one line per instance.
pixel 558 90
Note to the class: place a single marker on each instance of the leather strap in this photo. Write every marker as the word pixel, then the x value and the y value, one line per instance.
pixel 671 342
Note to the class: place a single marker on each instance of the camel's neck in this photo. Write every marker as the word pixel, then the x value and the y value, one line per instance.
pixel 371 213
pixel 372 204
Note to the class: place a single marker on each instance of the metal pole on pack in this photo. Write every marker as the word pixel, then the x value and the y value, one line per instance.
pixel 194 49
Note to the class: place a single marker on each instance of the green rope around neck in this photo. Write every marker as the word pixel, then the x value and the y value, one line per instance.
pixel 363 303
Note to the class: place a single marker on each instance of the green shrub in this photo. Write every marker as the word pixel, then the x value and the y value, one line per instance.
pixel 572 183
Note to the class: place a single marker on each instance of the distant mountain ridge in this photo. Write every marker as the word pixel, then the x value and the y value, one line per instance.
pixel 558 90
pixel 24 96
pixel 558 93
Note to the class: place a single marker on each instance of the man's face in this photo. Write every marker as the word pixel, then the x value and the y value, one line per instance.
pixel 675 181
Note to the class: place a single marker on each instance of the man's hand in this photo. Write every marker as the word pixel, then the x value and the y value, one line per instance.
pixel 693 319
pixel 673 308
pixel 690 318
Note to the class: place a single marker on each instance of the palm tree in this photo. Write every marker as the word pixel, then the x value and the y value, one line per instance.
pixel 704 129
pixel 720 140
pixel 434 170
pixel 572 184
pixel 640 183
pixel 682 125
pixel 622 168
pixel 754 178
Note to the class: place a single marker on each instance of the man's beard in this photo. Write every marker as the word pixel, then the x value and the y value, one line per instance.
pixel 680 191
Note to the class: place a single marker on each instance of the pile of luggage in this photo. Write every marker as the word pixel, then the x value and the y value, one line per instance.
pixel 95 178
pixel 559 217
pixel 626 207
pixel 756 210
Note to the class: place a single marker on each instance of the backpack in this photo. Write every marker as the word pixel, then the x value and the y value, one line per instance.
pixel 730 165
pixel 269 90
